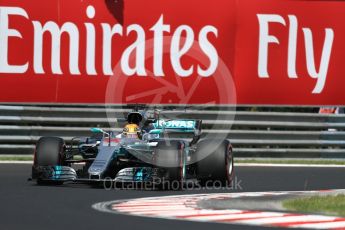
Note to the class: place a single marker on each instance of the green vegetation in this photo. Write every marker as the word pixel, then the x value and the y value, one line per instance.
pixel 291 161
pixel 25 158
pixel 16 158
pixel 241 160
pixel 333 205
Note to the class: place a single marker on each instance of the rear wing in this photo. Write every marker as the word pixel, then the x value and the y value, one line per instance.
pixel 187 126
pixel 191 128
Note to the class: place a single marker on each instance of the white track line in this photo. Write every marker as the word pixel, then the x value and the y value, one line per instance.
pixel 288 219
pixel 289 165
pixel 332 225
pixel 235 217
pixel 159 208
pixel 188 213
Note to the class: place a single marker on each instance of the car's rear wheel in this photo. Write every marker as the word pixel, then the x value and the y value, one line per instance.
pixel 49 152
pixel 169 156
pixel 215 162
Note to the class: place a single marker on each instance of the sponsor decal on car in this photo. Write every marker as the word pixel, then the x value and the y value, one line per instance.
pixel 175 124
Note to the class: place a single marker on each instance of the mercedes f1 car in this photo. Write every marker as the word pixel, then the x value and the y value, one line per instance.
pixel 147 151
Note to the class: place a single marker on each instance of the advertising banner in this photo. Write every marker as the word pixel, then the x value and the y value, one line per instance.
pixel 275 52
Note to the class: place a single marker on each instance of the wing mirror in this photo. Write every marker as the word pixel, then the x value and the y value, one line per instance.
pixel 155 131
pixel 98 130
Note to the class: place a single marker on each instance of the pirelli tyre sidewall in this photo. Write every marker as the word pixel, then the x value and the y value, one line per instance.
pixel 49 152
pixel 217 166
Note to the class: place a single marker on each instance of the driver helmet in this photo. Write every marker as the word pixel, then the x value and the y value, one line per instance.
pixel 131 131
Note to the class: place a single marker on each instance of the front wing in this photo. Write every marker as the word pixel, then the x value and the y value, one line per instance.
pixel 126 175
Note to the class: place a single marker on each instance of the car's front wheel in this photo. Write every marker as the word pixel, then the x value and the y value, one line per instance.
pixel 49 152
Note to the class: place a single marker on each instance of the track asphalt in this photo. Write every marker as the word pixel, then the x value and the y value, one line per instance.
pixel 27 206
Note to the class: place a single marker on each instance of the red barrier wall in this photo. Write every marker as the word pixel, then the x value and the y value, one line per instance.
pixel 181 52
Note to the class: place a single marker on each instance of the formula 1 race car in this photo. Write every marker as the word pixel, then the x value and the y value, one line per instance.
pixel 145 152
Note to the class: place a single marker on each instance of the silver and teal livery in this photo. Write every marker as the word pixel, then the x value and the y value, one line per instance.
pixel 167 151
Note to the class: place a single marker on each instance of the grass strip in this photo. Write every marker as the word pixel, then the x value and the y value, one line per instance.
pixel 332 205
pixel 297 161
pixel 248 161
